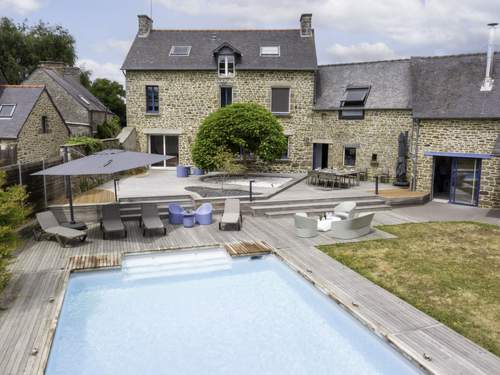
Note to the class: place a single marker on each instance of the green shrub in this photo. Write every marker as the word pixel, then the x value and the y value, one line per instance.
pixel 109 129
pixel 90 145
pixel 238 126
pixel 13 212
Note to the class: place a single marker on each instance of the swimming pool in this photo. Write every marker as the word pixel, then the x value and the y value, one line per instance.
pixel 210 315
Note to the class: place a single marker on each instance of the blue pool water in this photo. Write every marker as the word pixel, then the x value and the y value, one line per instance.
pixel 247 317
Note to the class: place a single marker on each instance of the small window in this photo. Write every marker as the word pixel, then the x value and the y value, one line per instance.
pixel 374 158
pixel 280 100
pixel 350 156
pixel 226 66
pixel 284 156
pixel 226 96
pixel 352 114
pixel 45 125
pixel 180 50
pixel 152 99
pixel 7 110
pixel 270 51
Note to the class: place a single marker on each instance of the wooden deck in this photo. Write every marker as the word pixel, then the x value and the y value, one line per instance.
pixel 29 306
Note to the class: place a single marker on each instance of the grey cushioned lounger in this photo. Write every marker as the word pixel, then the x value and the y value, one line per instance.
pixel 51 227
pixel 111 221
pixel 150 218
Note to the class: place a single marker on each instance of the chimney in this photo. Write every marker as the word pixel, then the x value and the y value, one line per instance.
pixel 306 25
pixel 57 66
pixel 488 79
pixel 72 72
pixel 145 26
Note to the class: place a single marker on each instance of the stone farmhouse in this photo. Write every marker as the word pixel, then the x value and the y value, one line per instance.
pixel 333 115
pixel 81 110
pixel 31 126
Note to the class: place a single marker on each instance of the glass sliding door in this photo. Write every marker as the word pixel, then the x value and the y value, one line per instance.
pixel 157 146
pixel 466 174
pixel 165 145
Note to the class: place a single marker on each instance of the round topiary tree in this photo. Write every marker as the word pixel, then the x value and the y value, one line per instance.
pixel 241 125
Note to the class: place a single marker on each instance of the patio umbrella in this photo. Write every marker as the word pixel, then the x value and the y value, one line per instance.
pixel 103 162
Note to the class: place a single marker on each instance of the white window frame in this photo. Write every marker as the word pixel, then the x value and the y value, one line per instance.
pixel 172 49
pixel 287 149
pixel 268 54
pixel 11 112
pixel 226 59
pixel 289 100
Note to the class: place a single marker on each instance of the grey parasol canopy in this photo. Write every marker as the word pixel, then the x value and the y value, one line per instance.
pixel 103 162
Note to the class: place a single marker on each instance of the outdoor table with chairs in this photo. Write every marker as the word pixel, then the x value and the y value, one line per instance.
pixel 341 178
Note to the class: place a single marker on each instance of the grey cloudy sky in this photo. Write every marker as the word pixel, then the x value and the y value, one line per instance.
pixel 346 30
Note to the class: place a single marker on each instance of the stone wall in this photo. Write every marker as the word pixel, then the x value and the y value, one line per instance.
pixel 187 97
pixel 32 144
pixel 376 134
pixel 460 136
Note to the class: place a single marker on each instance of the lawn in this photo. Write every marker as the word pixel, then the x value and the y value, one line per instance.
pixel 449 270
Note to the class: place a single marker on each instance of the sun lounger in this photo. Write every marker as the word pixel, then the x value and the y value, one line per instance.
pixel 51 227
pixel 150 219
pixel 305 226
pixel 352 228
pixel 232 215
pixel 111 221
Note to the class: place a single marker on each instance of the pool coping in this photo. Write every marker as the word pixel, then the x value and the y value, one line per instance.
pixel 420 362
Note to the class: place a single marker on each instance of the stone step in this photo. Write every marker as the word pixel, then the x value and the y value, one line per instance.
pixel 313 200
pixel 369 208
pixel 301 207
pixel 157 199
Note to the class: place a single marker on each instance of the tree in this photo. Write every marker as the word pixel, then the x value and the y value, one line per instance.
pixel 109 129
pixel 227 165
pixel 246 126
pixel 22 47
pixel 111 94
pixel 13 212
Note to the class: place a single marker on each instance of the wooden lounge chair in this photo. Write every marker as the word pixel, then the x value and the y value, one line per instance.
pixel 232 215
pixel 150 219
pixel 50 226
pixel 111 221
pixel 305 226
pixel 352 228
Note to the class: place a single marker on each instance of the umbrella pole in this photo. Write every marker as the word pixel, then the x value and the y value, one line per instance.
pixel 116 194
pixel 70 198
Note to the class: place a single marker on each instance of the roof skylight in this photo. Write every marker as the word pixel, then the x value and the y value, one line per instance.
pixel 7 110
pixel 270 50
pixel 85 100
pixel 180 50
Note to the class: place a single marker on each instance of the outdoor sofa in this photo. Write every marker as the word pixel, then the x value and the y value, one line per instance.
pixel 51 227
pixel 345 210
pixel 352 228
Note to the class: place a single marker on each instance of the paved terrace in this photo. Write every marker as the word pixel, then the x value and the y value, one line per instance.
pixel 30 304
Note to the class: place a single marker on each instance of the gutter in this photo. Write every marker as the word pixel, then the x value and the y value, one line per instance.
pixel 415 131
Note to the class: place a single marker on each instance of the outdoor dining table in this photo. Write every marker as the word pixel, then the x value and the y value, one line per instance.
pixel 340 177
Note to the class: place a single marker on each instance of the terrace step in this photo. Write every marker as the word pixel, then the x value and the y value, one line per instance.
pixel 369 208
pixel 312 200
pixel 324 205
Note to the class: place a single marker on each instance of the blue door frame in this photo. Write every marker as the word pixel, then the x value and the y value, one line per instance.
pixel 454 179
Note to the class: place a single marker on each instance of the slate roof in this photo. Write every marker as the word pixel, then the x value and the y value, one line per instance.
pixel 76 90
pixel 152 52
pixel 389 83
pixel 449 87
pixel 24 97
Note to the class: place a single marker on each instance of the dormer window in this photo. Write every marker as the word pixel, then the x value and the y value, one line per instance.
pixel 270 51
pixel 226 66
pixel 7 110
pixel 352 106
pixel 180 50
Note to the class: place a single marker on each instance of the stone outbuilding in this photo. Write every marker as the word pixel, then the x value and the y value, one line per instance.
pixel 81 110
pixel 31 126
